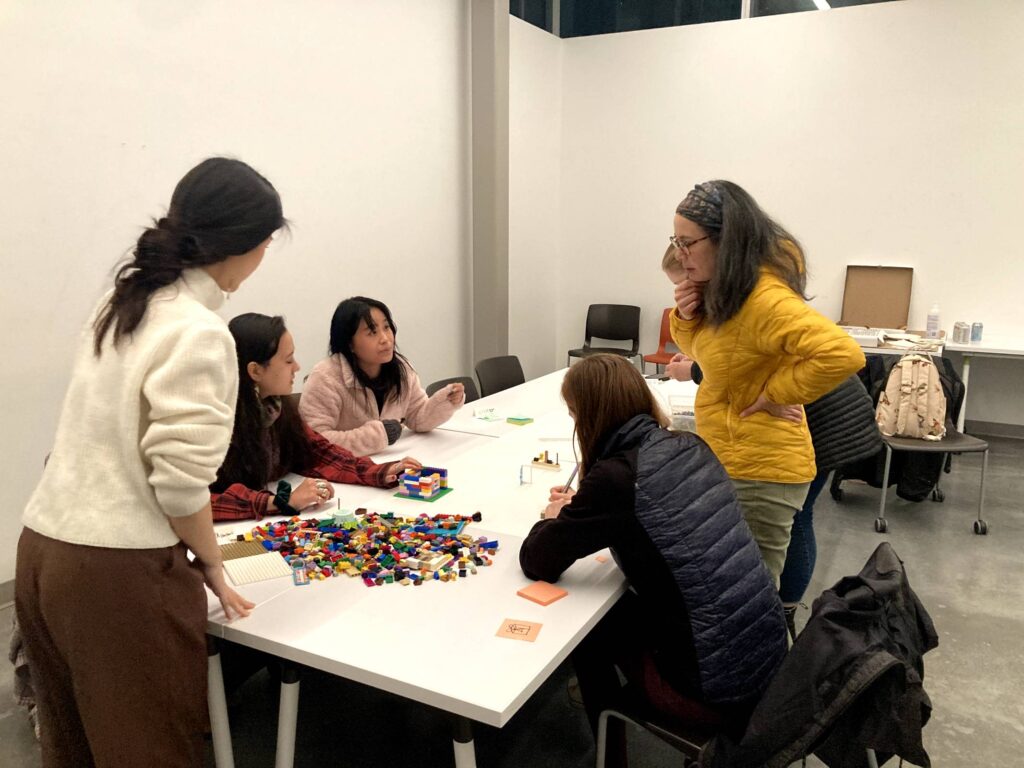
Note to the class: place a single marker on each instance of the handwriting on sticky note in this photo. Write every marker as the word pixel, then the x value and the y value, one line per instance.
pixel 517 629
pixel 542 592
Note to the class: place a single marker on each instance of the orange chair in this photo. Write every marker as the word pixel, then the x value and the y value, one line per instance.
pixel 662 356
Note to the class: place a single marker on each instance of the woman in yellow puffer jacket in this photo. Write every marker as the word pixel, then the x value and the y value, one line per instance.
pixel 740 313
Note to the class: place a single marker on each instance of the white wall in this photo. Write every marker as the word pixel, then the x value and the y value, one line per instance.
pixel 881 134
pixel 535 147
pixel 356 111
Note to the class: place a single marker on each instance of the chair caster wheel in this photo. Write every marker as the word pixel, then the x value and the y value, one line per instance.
pixel 938 494
pixel 881 525
pixel 980 527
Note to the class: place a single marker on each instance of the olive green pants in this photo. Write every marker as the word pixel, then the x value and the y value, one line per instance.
pixel 768 509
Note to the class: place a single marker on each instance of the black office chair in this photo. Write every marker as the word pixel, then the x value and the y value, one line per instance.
pixel 691 741
pixel 498 373
pixel 466 381
pixel 614 322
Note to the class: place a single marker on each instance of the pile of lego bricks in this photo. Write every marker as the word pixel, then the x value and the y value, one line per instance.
pixel 380 548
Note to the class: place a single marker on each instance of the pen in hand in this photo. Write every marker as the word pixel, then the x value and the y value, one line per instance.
pixel 572 476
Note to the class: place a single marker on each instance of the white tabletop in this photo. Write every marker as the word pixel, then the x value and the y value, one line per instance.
pixel 539 399
pixel 994 344
pixel 406 640
pixel 435 643
pixel 534 399
pixel 434 448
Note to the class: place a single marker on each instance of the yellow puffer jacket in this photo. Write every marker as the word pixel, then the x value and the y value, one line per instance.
pixel 775 344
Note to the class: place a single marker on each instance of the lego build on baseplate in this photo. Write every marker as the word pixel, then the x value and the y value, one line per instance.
pixel 426 484
pixel 543 460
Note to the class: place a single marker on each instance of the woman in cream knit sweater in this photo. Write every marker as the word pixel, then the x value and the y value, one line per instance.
pixel 113 615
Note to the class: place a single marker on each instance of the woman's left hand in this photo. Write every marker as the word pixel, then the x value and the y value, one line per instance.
pixel 456 393
pixel 794 413
pixel 551 510
pixel 400 466
pixel 232 602
pixel 311 492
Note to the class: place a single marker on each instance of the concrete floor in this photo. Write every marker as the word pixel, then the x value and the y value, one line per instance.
pixel 973 586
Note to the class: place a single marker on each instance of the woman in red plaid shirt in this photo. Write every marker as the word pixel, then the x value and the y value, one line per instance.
pixel 270 439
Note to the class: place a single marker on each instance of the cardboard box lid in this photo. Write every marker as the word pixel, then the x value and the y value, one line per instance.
pixel 877 297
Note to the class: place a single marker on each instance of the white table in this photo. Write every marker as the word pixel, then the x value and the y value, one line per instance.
pixel 537 397
pixel 541 400
pixel 993 345
pixel 433 448
pixel 364 634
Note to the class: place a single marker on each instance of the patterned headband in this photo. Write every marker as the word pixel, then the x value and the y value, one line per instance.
pixel 703 205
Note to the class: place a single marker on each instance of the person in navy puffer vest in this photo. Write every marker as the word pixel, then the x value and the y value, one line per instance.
pixel 700 631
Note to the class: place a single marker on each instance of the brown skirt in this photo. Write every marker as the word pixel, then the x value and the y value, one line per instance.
pixel 117 651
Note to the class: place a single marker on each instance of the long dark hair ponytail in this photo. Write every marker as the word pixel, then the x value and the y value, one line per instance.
pixel 220 208
pixel 248 460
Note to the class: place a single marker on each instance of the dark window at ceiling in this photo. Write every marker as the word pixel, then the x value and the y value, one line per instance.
pixel 599 17
pixel 535 12
pixel 773 7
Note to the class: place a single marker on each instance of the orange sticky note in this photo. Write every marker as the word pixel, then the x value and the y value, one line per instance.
pixel 516 629
pixel 542 592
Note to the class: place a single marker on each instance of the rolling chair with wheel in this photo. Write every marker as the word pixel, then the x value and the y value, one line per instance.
pixel 953 442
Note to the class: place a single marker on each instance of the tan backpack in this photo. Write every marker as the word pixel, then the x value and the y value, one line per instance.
pixel 912 403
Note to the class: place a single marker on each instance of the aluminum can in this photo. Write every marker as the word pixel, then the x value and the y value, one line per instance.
pixel 976 329
pixel 961 332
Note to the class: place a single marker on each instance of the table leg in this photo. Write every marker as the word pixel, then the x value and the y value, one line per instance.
pixel 966 375
pixel 218 705
pixel 462 742
pixel 287 716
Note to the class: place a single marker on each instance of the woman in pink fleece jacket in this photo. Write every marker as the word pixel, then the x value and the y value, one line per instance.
pixel 360 396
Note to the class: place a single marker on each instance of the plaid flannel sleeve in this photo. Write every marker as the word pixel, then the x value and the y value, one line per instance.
pixel 237 502
pixel 334 463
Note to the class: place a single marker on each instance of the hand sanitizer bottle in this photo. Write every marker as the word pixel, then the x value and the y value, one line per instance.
pixel 932 328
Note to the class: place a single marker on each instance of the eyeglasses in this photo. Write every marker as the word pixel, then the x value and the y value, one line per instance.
pixel 685 245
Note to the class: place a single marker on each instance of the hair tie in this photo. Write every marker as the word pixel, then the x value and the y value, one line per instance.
pixel 283 496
